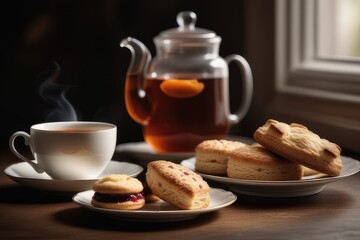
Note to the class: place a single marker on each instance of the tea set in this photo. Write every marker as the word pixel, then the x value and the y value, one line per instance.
pixel 180 97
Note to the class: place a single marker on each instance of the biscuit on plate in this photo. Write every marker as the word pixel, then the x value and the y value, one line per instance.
pixel 257 163
pixel 149 196
pixel 295 142
pixel 177 185
pixel 212 155
pixel 118 191
pixel 308 171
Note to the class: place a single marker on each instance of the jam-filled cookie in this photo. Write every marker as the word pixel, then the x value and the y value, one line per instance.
pixel 118 191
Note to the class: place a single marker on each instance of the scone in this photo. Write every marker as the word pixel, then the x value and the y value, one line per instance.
pixel 149 196
pixel 295 142
pixel 308 171
pixel 212 155
pixel 118 191
pixel 177 185
pixel 257 163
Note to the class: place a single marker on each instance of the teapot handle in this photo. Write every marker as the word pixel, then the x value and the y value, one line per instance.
pixel 247 87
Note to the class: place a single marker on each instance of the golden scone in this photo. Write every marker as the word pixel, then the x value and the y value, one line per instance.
pixel 177 185
pixel 118 191
pixel 149 196
pixel 295 142
pixel 212 155
pixel 308 171
pixel 257 163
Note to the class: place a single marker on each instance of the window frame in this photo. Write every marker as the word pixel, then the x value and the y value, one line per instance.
pixel 321 92
pixel 299 68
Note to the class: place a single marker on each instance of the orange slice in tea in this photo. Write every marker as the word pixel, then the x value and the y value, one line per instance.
pixel 181 88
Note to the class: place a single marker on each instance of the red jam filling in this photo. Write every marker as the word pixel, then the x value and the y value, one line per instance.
pixel 114 198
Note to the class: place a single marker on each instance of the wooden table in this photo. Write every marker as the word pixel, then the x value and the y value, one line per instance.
pixel 332 214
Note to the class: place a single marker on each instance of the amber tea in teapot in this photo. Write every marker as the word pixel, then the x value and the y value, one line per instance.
pixel 181 96
pixel 183 112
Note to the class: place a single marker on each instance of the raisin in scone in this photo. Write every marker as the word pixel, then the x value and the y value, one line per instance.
pixel 177 185
pixel 212 155
pixel 295 142
pixel 118 191
pixel 257 163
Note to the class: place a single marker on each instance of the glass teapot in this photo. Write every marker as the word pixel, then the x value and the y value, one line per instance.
pixel 181 96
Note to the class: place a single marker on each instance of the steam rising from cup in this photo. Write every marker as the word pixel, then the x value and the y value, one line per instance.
pixel 55 94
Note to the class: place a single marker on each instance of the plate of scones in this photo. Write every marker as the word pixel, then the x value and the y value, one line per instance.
pixel 285 160
pixel 170 192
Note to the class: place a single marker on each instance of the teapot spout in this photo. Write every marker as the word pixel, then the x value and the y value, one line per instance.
pixel 140 56
pixel 136 101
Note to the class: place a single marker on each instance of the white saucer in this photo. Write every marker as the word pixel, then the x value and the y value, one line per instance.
pixel 24 174
pixel 159 211
pixel 143 153
pixel 307 186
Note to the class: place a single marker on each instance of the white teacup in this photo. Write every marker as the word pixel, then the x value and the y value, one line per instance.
pixel 69 150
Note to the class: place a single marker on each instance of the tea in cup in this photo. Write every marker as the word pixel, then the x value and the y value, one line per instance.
pixel 69 150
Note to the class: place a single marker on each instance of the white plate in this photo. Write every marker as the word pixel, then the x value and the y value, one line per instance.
pixel 307 186
pixel 24 174
pixel 143 153
pixel 159 211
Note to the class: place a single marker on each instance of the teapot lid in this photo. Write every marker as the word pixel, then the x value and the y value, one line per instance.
pixel 187 30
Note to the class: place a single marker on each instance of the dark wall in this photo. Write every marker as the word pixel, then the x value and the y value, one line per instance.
pixel 83 37
pixel 259 50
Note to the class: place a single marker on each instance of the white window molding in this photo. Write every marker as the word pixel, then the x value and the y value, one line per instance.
pixel 300 69
pixel 323 91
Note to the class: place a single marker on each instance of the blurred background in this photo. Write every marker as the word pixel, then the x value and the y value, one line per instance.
pixel 82 38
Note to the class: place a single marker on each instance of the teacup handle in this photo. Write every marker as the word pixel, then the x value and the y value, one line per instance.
pixel 247 87
pixel 26 137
